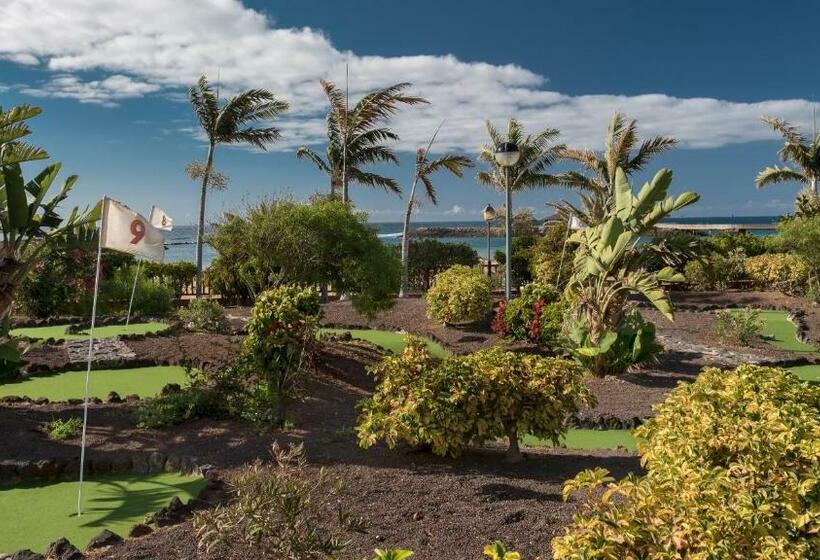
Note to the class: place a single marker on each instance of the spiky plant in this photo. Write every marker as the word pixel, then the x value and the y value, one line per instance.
pixel 231 122
pixel 425 168
pixel 356 138
pixel 595 185
pixel 797 150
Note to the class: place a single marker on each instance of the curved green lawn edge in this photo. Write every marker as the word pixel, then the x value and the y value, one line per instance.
pixel 38 513
pixel 780 332
pixel 589 440
pixel 389 340
pixel 810 373
pixel 107 331
pixel 61 386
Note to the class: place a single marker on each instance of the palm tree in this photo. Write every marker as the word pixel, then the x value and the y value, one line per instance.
pixel 797 150
pixel 355 138
pixel 455 164
pixel 230 124
pixel 597 187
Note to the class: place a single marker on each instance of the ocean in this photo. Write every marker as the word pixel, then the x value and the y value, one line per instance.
pixel 181 242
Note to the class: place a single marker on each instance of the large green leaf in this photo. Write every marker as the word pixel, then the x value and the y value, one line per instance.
pixel 623 195
pixel 16 196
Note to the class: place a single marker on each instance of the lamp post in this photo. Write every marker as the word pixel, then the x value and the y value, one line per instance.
pixel 506 156
pixel 489 215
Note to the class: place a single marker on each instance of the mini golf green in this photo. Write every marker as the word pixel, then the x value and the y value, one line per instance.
pixel 389 340
pixel 108 331
pixel 585 439
pixel 37 513
pixel 781 332
pixel 145 382
pixel 807 373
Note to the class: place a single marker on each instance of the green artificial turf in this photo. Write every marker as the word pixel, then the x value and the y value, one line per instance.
pixel 389 340
pixel 108 331
pixel 782 333
pixel 35 514
pixel 580 438
pixel 145 382
pixel 807 373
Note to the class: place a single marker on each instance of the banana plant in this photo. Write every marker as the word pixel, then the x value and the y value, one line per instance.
pixel 608 268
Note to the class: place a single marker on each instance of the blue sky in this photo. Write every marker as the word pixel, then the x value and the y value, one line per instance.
pixel 111 78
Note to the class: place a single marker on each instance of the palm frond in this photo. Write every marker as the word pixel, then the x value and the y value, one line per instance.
pixel 649 148
pixel 774 175
pixel 306 153
pixel 789 133
pixel 374 180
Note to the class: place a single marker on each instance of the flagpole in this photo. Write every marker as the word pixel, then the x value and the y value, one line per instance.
pixel 90 356
pixel 133 291
pixel 563 251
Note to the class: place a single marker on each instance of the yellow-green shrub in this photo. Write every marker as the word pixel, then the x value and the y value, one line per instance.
pixel 782 271
pixel 461 294
pixel 467 400
pixel 733 471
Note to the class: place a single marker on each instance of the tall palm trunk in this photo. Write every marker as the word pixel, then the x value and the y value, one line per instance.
pixel 405 240
pixel 200 235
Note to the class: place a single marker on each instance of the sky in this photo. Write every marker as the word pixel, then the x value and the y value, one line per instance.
pixel 112 78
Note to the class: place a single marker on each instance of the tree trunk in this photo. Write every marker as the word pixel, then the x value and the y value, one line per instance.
pixel 813 184
pixel 513 452
pixel 200 234
pixel 405 240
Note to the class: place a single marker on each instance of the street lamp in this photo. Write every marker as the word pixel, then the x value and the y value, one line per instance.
pixel 506 155
pixel 489 216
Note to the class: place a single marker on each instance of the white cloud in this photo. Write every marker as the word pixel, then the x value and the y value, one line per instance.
pixel 455 210
pixel 162 46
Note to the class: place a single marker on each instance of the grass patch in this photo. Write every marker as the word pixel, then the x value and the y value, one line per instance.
pixel 36 513
pixel 145 382
pixel 389 340
pixel 807 373
pixel 108 331
pixel 780 332
pixel 585 439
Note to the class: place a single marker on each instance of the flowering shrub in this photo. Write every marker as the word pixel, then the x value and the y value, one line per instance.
pixel 281 332
pixel 205 315
pixel 731 472
pixel 461 294
pixel 468 400
pixel 782 271
pixel 536 315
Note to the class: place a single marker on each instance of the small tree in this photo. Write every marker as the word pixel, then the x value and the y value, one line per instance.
pixel 467 400
pixel 460 294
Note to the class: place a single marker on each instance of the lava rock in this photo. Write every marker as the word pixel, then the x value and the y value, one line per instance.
pixel 170 389
pixel 26 555
pixel 105 538
pixel 113 397
pixel 62 549
pixel 175 512
pixel 139 530
pixel 156 462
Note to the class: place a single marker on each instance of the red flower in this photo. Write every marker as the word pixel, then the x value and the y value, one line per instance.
pixel 499 324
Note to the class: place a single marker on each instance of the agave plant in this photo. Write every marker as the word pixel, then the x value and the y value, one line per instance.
pixel 608 267
pixel 425 168
pixel 595 188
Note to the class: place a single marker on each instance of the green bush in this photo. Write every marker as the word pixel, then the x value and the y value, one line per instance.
pixel 738 327
pixel 727 242
pixel 536 315
pixel 731 472
pixel 461 294
pixel 460 401
pixel 634 344
pixel 801 236
pixel 716 271
pixel 61 430
pixel 428 257
pixel 150 297
pixel 204 315
pixel 281 334
pixel 279 510
pixel 781 271
pixel 176 275
pixel 179 407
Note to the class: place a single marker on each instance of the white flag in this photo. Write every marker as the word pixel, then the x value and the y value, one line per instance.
pixel 124 230
pixel 575 223
pixel 159 219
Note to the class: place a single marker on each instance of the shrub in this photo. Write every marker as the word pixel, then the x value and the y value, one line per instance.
pixel 280 510
pixel 461 294
pixel 428 257
pixel 204 315
pixel 731 472
pixel 801 236
pixel 175 275
pixel 738 327
pixel 634 344
pixel 60 430
pixel 281 334
pixel 781 271
pixel 179 407
pixel 536 315
pixel 716 271
pixel 467 400
pixel 727 242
